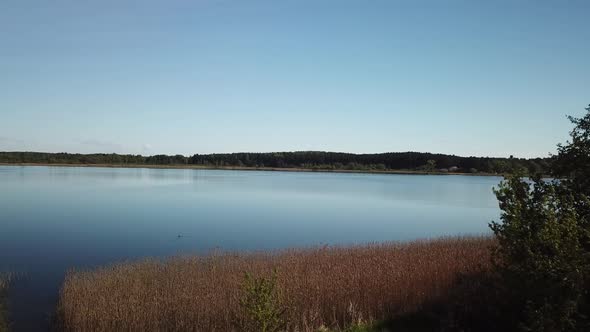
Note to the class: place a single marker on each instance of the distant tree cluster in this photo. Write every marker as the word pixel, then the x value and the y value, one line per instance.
pixel 303 159
pixel 381 161
pixel 96 158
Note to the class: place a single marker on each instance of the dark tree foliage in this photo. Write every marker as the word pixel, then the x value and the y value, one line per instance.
pixel 572 167
pixel 572 163
pixel 543 253
pixel 540 258
pixel 393 160
pixel 301 159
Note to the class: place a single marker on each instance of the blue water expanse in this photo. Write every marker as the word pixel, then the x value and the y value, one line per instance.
pixel 57 218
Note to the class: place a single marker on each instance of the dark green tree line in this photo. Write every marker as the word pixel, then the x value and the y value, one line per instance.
pixel 302 159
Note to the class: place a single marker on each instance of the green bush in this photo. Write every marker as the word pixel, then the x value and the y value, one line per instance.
pixel 262 309
pixel 539 257
pixel 543 253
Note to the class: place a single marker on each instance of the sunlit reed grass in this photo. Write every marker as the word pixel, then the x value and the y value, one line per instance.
pixel 328 286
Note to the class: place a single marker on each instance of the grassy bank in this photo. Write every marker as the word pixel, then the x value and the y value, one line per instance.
pixel 332 287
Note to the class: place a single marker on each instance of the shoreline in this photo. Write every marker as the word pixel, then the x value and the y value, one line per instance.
pixel 245 168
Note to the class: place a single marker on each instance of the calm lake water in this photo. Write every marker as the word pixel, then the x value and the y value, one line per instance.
pixel 56 218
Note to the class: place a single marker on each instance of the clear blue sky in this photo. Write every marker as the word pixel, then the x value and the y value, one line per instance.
pixel 463 77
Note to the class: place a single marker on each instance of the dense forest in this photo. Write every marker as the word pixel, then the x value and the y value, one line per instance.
pixel 413 161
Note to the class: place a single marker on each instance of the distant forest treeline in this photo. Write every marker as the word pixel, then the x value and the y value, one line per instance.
pixel 414 161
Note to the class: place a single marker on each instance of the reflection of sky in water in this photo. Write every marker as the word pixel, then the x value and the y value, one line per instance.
pixel 55 218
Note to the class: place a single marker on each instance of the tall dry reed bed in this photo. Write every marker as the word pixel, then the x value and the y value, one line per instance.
pixel 329 286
